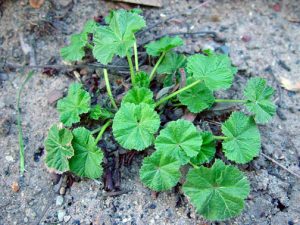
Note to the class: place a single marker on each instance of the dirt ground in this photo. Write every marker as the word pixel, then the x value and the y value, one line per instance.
pixel 262 38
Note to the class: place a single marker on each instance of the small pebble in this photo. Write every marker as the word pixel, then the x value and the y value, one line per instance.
pixel 67 218
pixel 25 220
pixel 152 206
pixel 15 187
pixel 59 200
pixel 9 158
pixel 60 215
pixel 246 38
pixel 62 190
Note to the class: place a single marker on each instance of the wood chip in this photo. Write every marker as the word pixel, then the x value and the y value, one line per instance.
pixel 156 3
pixel 15 187
pixel 289 84
pixel 36 3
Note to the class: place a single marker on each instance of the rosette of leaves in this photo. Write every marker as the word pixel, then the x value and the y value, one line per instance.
pixel 75 51
pixel 118 37
pixel 87 158
pixel 134 125
pixel 214 70
pixel 58 148
pixel 77 102
pixel 142 79
pixel 181 139
pixel 218 193
pixel 258 95
pixel 163 45
pixel 242 138
pixel 197 98
pixel 160 171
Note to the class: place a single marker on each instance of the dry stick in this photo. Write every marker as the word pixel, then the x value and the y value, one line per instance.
pixel 280 165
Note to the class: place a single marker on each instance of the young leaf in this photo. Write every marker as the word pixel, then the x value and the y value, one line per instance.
pixel 160 171
pixel 164 44
pixel 118 37
pixel 139 95
pixel 74 51
pixel 90 27
pixel 142 79
pixel 87 158
pixel 59 149
pixel 258 96
pixel 218 192
pixel 197 98
pixel 134 126
pixel 242 141
pixel 181 139
pixel 74 104
pixel 207 151
pixel 97 112
pixel 171 63
pixel 215 70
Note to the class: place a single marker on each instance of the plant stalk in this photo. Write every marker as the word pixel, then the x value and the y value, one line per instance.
pixel 193 165
pixel 103 128
pixel 156 65
pixel 111 97
pixel 231 100
pixel 136 58
pixel 220 137
pixel 177 92
pixel 132 76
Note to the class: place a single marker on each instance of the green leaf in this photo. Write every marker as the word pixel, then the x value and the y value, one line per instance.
pixel 97 113
pixel 162 45
pixel 142 79
pixel 74 51
pixel 258 95
pixel 218 192
pixel 197 98
pixel 171 63
pixel 87 158
pixel 59 149
pixel 242 141
pixel 215 70
pixel 118 37
pixel 134 126
pixel 181 139
pixel 74 104
pixel 160 171
pixel 139 95
pixel 90 27
pixel 207 151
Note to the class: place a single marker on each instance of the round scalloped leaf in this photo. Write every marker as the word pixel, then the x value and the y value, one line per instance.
pixel 139 95
pixel 181 139
pixel 160 171
pixel 87 158
pixel 215 70
pixel 77 102
pixel 218 192
pixel 258 95
pixel 134 126
pixel 197 98
pixel 58 148
pixel 242 141
pixel 162 45
pixel 142 79
pixel 171 63
pixel 207 151
pixel 75 50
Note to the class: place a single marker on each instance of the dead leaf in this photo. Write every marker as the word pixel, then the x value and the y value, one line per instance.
pixel 290 85
pixel 15 187
pixel 36 3
pixel 189 116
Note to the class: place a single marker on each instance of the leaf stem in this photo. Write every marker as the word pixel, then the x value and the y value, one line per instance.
pixel 220 137
pixel 156 65
pixel 111 97
pixel 19 124
pixel 231 100
pixel 177 92
pixel 131 68
pixel 136 58
pixel 103 128
pixel 193 165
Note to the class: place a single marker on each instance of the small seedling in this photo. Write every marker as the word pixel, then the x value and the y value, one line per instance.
pixel 216 190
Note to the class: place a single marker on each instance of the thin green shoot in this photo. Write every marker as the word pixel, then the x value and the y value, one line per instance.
pixel 19 120
pixel 220 137
pixel 103 128
pixel 132 75
pixel 136 58
pixel 111 97
pixel 231 100
pixel 193 165
pixel 156 65
pixel 177 92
